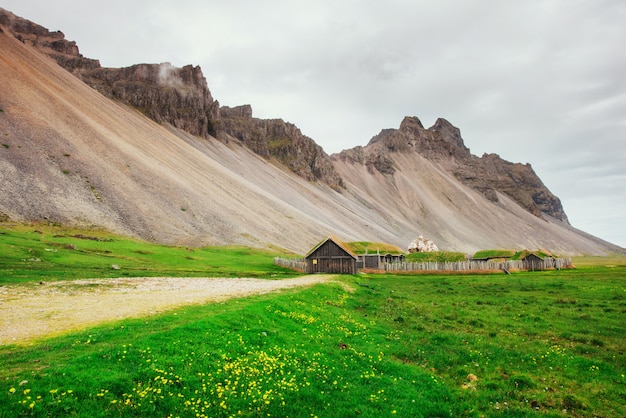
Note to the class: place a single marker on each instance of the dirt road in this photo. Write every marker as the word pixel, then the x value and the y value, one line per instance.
pixel 29 312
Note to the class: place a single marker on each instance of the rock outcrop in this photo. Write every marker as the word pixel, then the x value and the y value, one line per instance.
pixel 164 93
pixel 181 97
pixel 422 245
pixel 53 44
pixel 442 143
pixel 283 141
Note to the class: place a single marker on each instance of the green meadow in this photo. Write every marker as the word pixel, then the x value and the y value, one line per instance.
pixel 527 344
pixel 43 252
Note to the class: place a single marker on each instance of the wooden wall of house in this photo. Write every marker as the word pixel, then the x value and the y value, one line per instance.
pixel 371 261
pixel 330 258
pixel 335 265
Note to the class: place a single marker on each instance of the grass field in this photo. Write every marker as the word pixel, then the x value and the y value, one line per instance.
pixel 436 256
pixel 365 247
pixel 41 252
pixel 527 344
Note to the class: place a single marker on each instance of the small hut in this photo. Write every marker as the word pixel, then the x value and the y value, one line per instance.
pixel 331 256
pixel 375 260
pixel 534 262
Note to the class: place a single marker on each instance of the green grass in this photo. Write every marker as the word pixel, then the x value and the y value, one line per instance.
pixel 494 254
pixel 610 261
pixel 510 254
pixel 520 255
pixel 361 247
pixel 547 344
pixel 33 253
pixel 439 256
pixel 528 344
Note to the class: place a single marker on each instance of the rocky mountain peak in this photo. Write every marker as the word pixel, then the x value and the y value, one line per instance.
pixel 411 125
pixel 54 44
pixel 243 111
pixel 385 133
pixel 442 143
pixel 448 132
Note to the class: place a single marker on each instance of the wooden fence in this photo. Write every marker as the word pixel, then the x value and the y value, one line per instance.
pixel 291 263
pixel 475 265
pixel 470 265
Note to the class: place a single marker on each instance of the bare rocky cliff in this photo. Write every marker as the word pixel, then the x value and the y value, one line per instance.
pixel 181 98
pixel 53 44
pixel 275 138
pixel 442 143
pixel 164 93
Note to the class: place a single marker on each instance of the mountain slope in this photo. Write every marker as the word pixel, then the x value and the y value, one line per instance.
pixel 72 155
pixel 432 200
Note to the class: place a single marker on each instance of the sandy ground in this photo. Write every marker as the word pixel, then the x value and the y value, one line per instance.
pixel 29 312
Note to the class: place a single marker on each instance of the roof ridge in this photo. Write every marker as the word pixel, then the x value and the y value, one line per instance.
pixel 337 241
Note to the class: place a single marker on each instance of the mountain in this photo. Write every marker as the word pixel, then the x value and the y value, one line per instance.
pixel 442 143
pixel 146 151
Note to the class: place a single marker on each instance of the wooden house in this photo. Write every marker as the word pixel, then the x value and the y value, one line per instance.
pixel 331 256
pixel 368 261
pixel 375 260
pixel 534 262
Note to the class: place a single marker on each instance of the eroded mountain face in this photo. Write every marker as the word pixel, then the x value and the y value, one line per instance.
pixel 164 93
pixel 54 44
pixel 283 141
pixel 181 97
pixel 442 143
pixel 211 175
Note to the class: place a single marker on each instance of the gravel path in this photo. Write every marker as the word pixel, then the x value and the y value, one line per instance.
pixel 29 312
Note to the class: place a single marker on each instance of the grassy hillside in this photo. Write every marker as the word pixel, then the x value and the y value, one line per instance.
pixel 510 254
pixel 438 256
pixel 43 252
pixel 363 247
pixel 526 344
pixel 494 254
pixel 520 255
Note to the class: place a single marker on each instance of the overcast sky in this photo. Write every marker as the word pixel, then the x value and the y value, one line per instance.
pixel 537 81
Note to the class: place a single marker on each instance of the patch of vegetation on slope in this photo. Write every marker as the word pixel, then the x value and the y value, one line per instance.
pixel 482 254
pixel 435 256
pixel 363 247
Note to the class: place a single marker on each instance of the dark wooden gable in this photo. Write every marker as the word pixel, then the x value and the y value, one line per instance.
pixel 533 262
pixel 331 256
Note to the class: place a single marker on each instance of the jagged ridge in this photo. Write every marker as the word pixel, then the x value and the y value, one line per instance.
pixel 443 143
pixel 54 44
pixel 164 93
pixel 283 141
pixel 181 98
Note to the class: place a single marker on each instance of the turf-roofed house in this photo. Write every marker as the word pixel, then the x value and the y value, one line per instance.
pixel 331 256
